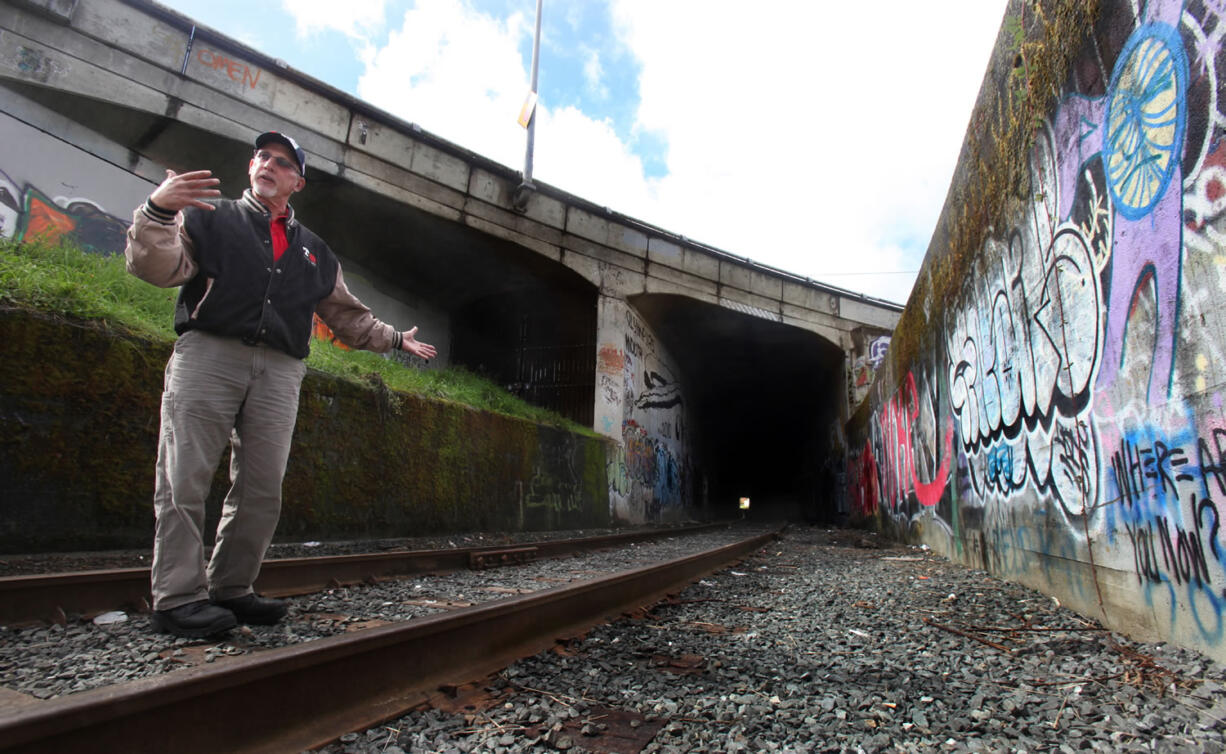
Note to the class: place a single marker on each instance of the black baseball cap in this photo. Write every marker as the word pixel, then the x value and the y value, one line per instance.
pixel 286 142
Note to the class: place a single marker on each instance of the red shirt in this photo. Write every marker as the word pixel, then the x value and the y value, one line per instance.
pixel 279 241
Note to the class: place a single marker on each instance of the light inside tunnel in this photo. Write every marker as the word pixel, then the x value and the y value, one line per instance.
pixel 744 504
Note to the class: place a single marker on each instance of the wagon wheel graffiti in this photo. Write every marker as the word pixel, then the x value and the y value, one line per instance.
pixel 1146 118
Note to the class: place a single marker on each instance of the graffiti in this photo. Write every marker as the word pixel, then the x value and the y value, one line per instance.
pixel 867 356
pixel 552 494
pixel 877 351
pixel 633 347
pixel 618 474
pixel 863 373
pixel 652 465
pixel 609 360
pixel 999 477
pixel 608 389
pixel 1023 351
pixel 903 440
pixel 1182 552
pixel 1165 478
pixel 1212 461
pixel 555 487
pixel 1206 201
pixel 1081 362
pixel 867 497
pixel 28 214
pixel 1136 133
pixel 660 391
pixel 1017 352
pixel 321 331
pixel 637 328
pixel 35 64
pixel 640 453
pixel 668 476
pixel 1133 465
pixel 648 473
pixel 236 70
pixel 1072 450
pixel 1169 553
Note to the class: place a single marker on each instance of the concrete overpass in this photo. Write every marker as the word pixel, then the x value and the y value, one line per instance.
pixel 716 377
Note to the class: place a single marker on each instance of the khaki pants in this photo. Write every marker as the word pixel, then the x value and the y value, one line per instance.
pixel 219 389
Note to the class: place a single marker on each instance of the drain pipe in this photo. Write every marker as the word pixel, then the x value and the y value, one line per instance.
pixel 519 199
pixel 187 53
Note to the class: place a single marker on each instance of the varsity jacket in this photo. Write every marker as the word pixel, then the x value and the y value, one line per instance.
pixel 231 286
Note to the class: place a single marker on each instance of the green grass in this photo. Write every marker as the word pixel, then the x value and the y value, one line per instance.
pixel 62 279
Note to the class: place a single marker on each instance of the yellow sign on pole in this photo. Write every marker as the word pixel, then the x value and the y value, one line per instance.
pixel 525 112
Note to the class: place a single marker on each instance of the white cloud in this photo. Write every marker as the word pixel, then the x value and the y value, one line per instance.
pixel 808 135
pixel 593 74
pixel 585 157
pixel 457 73
pixel 813 137
pixel 354 18
pixel 460 75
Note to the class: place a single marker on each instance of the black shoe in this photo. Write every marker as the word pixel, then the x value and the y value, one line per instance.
pixel 254 609
pixel 194 620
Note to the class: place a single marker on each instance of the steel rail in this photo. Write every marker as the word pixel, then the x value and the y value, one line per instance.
pixel 306 695
pixel 50 597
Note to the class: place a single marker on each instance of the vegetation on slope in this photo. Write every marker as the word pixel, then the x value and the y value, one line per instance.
pixel 64 280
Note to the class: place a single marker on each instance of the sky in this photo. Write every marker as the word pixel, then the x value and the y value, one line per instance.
pixel 812 136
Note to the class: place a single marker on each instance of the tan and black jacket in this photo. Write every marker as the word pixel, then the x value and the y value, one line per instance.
pixel 231 286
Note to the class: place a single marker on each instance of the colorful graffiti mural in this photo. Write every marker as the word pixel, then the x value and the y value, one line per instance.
pixel 28 213
pixel 638 389
pixel 1081 372
pixel 868 351
pixel 905 463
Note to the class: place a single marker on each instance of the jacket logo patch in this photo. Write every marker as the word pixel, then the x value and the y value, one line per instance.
pixel 309 256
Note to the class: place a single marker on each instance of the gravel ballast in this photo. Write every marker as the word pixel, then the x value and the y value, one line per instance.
pixel 84 653
pixel 823 641
pixel 815 646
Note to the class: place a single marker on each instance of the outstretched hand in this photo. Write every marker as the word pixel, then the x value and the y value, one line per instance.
pixel 181 190
pixel 413 346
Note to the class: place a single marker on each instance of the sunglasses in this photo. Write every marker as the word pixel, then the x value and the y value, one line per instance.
pixel 264 155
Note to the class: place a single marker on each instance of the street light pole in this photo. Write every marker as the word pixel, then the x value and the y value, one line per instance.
pixel 520 198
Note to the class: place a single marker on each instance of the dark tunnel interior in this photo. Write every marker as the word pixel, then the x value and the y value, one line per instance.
pixel 762 396
pixel 764 400
pixel 524 321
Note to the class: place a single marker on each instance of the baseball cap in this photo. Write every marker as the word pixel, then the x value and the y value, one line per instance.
pixel 288 143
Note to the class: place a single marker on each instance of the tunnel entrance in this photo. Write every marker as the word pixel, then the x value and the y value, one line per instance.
pixel 763 406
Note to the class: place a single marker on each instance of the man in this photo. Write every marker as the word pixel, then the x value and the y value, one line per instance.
pixel 251 277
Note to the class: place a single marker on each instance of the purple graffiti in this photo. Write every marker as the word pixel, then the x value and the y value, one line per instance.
pixel 1137 130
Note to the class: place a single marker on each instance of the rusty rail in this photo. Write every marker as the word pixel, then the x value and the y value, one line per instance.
pixel 306 695
pixel 50 597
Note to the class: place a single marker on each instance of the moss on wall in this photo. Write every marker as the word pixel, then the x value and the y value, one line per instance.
pixel 79 415
pixel 1034 53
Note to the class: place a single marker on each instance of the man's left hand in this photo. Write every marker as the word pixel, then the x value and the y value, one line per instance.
pixel 413 346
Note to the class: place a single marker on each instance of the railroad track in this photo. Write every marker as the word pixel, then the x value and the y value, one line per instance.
pixel 306 695
pixel 52 597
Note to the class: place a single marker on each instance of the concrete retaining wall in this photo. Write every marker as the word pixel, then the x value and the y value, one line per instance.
pixel 1052 406
pixel 78 444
